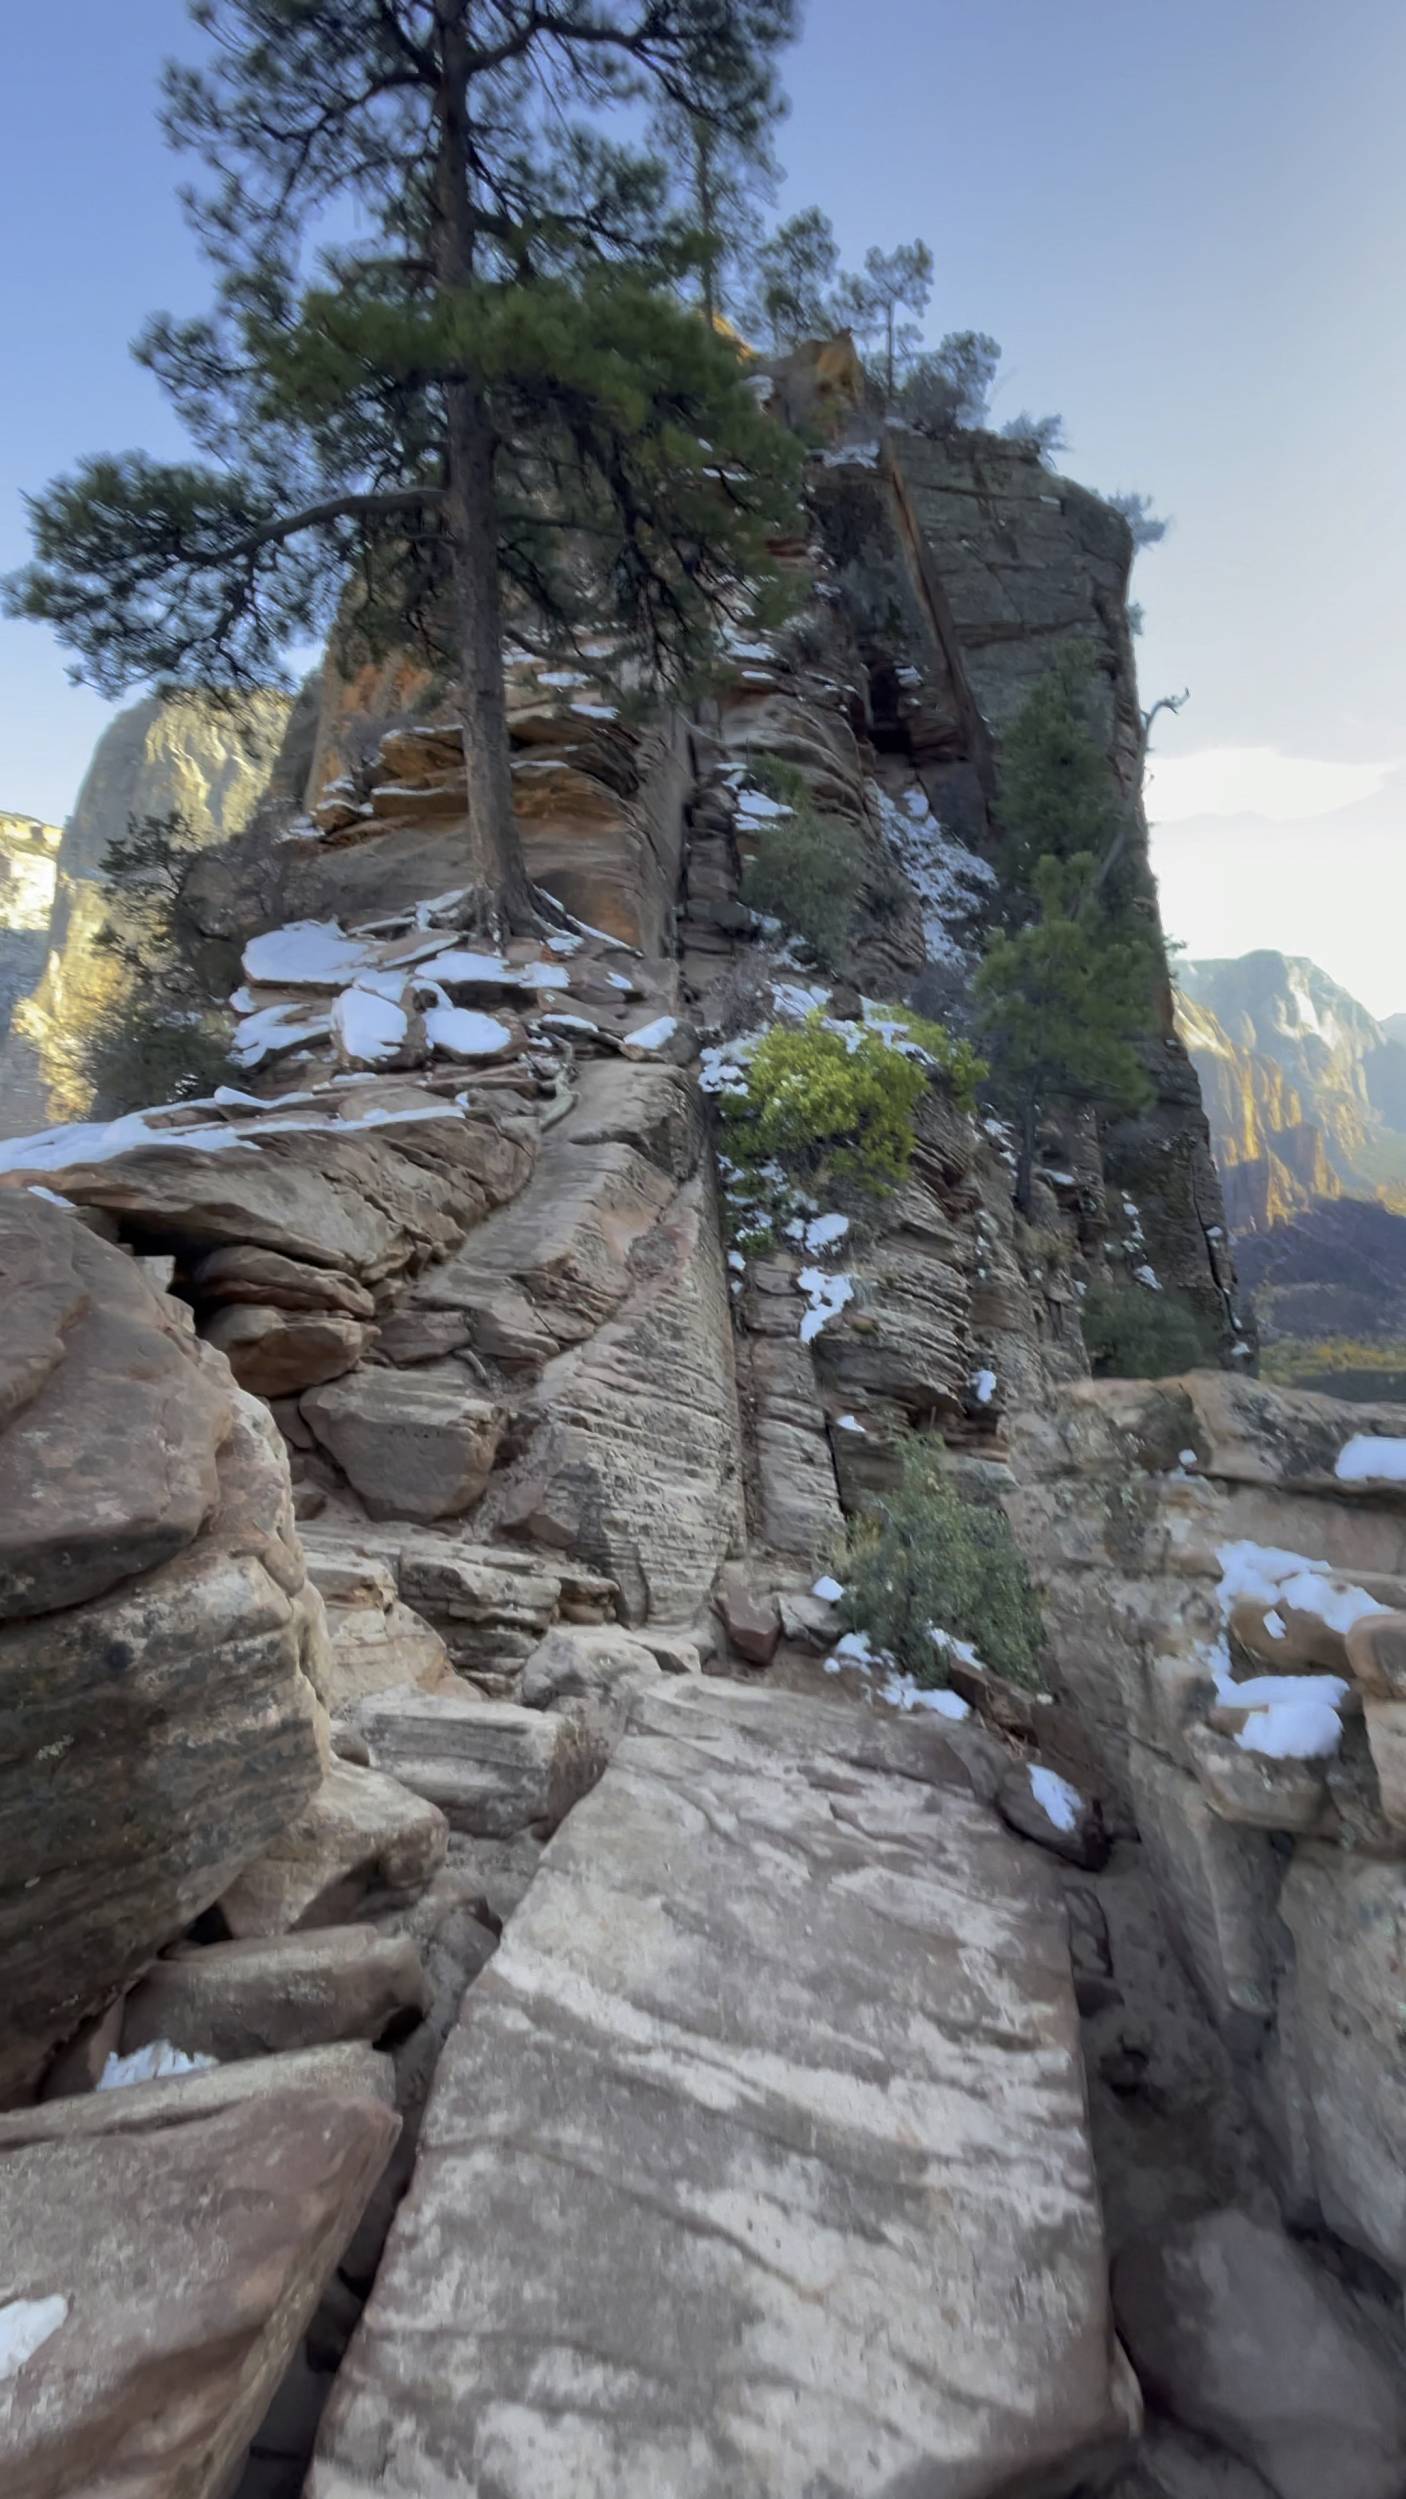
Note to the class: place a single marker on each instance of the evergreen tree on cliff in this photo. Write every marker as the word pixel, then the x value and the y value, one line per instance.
pixel 490 410
pixel 1066 996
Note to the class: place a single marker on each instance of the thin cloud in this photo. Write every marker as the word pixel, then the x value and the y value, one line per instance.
pixel 1255 781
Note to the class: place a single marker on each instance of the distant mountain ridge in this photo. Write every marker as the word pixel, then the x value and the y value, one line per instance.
pixel 1304 1090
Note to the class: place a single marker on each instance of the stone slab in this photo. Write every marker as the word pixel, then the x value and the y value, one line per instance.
pixel 176 2272
pixel 757 2166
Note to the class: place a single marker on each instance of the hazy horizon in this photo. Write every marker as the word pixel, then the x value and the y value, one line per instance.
pixel 1124 205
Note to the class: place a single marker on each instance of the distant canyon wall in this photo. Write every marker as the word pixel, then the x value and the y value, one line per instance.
pixel 1306 1092
pixel 213 765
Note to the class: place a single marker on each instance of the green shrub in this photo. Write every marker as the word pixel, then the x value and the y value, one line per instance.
pixel 925 1556
pixel 817 1100
pixel 950 1054
pixel 805 871
pixel 1132 1333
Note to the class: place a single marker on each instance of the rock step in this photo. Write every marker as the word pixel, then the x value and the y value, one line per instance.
pixel 777 2071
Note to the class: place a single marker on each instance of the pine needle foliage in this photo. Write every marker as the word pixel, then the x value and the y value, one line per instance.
pixel 924 1558
pixel 805 868
pixel 1132 1333
pixel 1056 795
pixel 1066 995
pixel 492 407
pixel 154 1034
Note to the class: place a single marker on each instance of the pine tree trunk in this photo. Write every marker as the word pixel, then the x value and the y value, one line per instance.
pixel 495 850
pixel 707 223
pixel 471 520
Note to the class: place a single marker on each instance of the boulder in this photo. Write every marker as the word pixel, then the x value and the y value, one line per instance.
pixel 1042 1806
pixel 1347 1917
pixel 416 1335
pixel 1251 1788
pixel 260 1996
pixel 162 2281
pixel 94 1367
pixel 675 1652
pixel 1386 1736
pixel 375 1650
pixel 369 1201
pixel 349 2070
pixel 244 1274
pixel 376 1642
pixel 493 1606
pixel 414 1445
pixel 153 1741
pixel 585 1665
pixel 362 1838
pixel 492 1767
pixel 1376 1654
pixel 277 1353
pixel 1235 2332
pixel 751 1615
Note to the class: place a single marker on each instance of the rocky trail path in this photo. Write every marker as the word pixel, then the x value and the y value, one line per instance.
pixel 757 2161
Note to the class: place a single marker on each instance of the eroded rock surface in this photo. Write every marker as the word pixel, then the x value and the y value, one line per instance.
pixel 158 1734
pixel 175 2270
pixel 1195 1542
pixel 784 2046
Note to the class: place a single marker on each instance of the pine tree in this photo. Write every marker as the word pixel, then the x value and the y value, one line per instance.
pixel 1066 996
pixel 951 384
pixel 1056 796
pixel 489 409
pixel 718 179
pixel 1062 1005
pixel 892 283
pixel 796 274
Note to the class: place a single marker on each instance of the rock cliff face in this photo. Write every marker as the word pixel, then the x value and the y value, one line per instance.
pixel 967 563
pixel 1305 1091
pixel 211 766
pixel 761 1998
pixel 28 884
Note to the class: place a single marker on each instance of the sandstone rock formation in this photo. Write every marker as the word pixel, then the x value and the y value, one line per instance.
pixel 1305 1091
pixel 1233 2332
pixel 741 1956
pixel 170 2275
pixel 161 1647
pixel 28 883
pixel 1169 1524
pixel 760 2011
pixel 210 765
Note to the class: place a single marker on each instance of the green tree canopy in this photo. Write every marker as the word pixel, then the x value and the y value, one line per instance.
pixel 1063 1005
pixel 890 284
pixel 951 384
pixel 718 179
pixel 490 407
pixel 794 281
pixel 1056 796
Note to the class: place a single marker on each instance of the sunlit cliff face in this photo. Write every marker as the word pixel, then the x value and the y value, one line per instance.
pixel 210 765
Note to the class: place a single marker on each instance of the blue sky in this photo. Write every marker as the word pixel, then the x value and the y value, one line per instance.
pixel 1184 223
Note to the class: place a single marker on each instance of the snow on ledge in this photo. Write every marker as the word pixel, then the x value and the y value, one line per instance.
pixel 1366 1459
pixel 158 2061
